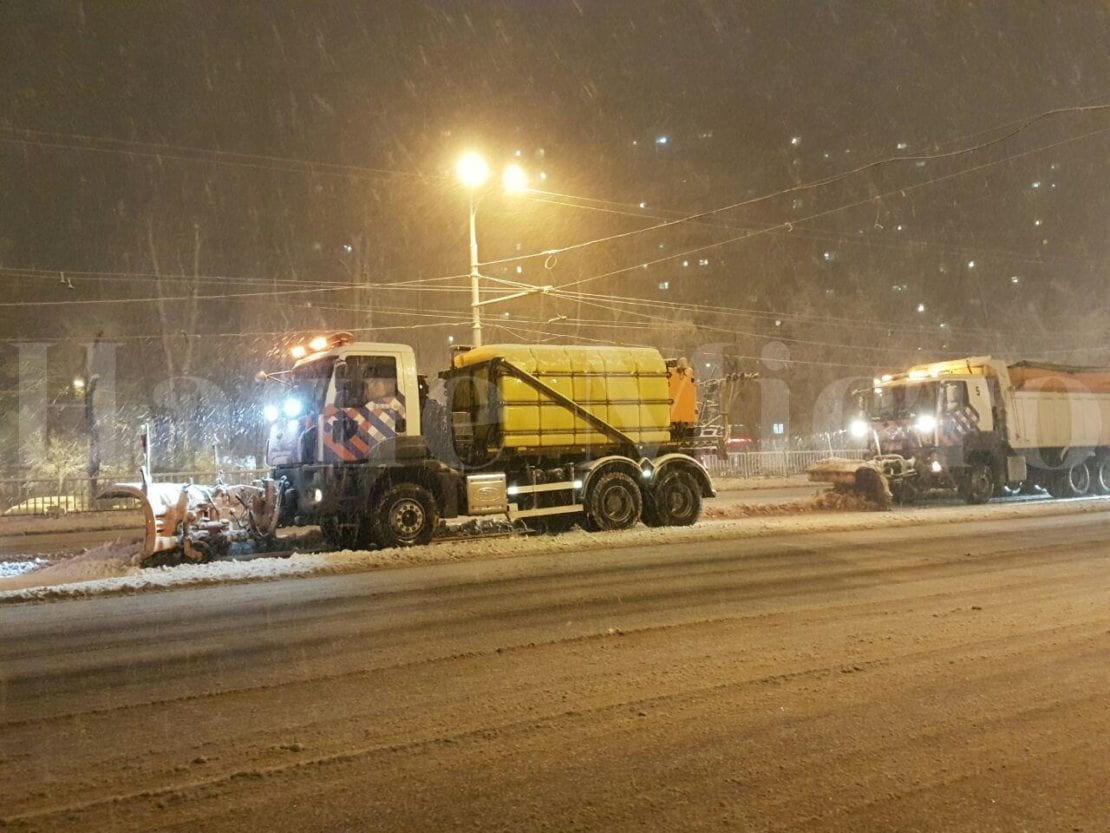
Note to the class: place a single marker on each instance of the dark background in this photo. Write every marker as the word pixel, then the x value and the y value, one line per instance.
pixel 186 150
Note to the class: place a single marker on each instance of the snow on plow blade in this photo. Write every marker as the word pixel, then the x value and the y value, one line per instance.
pixel 862 477
pixel 198 523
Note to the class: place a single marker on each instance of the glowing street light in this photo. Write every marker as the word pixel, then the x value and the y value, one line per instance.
pixel 514 179
pixel 473 173
pixel 473 170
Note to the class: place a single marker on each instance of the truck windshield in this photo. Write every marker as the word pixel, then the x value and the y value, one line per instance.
pixel 903 401
pixel 310 384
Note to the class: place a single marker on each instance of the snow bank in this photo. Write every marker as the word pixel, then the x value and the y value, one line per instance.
pixel 15 568
pixel 827 501
pixel 112 569
pixel 111 560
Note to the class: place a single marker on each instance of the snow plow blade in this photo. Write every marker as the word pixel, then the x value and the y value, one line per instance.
pixel 189 523
pixel 862 477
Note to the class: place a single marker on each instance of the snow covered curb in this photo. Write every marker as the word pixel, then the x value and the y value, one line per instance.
pixel 123 519
pixel 111 569
pixel 752 484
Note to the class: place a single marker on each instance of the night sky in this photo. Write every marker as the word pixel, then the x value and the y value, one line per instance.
pixel 213 149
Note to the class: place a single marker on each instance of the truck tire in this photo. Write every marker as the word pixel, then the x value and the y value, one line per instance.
pixel 977 484
pixel 1071 482
pixel 675 500
pixel 405 516
pixel 612 502
pixel 1100 474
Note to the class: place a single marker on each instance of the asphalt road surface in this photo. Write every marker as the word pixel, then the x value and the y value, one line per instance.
pixel 934 678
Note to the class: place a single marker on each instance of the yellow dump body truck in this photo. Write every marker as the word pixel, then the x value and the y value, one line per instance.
pixel 983 427
pixel 549 436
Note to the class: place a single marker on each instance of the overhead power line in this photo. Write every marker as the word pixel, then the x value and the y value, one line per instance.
pixel 816 184
pixel 187 153
pixel 789 224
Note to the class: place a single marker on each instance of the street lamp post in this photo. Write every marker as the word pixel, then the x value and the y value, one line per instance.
pixel 475 275
pixel 473 171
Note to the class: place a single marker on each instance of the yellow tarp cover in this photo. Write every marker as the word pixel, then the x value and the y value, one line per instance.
pixel 624 386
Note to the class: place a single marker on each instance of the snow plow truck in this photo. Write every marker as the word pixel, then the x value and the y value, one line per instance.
pixel 550 436
pixel 982 428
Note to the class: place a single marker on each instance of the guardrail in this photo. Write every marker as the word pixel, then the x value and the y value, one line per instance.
pixel 774 463
pixel 53 496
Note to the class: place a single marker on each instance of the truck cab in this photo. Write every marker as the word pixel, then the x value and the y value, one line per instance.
pixel 347 402
pixel 345 421
pixel 934 427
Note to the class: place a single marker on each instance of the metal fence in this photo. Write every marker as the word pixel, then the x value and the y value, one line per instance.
pixel 774 463
pixel 53 496
pixel 61 496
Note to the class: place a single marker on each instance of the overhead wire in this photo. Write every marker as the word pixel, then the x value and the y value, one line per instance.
pixel 810 185
pixel 162 150
pixel 789 224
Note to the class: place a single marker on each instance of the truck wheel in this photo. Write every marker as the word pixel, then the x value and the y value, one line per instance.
pixel 1100 474
pixel 977 486
pixel 405 516
pixel 613 502
pixel 675 501
pixel 1071 482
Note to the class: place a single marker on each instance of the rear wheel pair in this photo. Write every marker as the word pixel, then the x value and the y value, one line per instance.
pixel 1074 481
pixel 615 501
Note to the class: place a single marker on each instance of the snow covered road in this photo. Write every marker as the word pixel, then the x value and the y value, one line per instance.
pixel 930 677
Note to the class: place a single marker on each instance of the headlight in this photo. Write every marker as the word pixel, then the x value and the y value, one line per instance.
pixel 926 424
pixel 292 408
pixel 271 413
pixel 858 428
